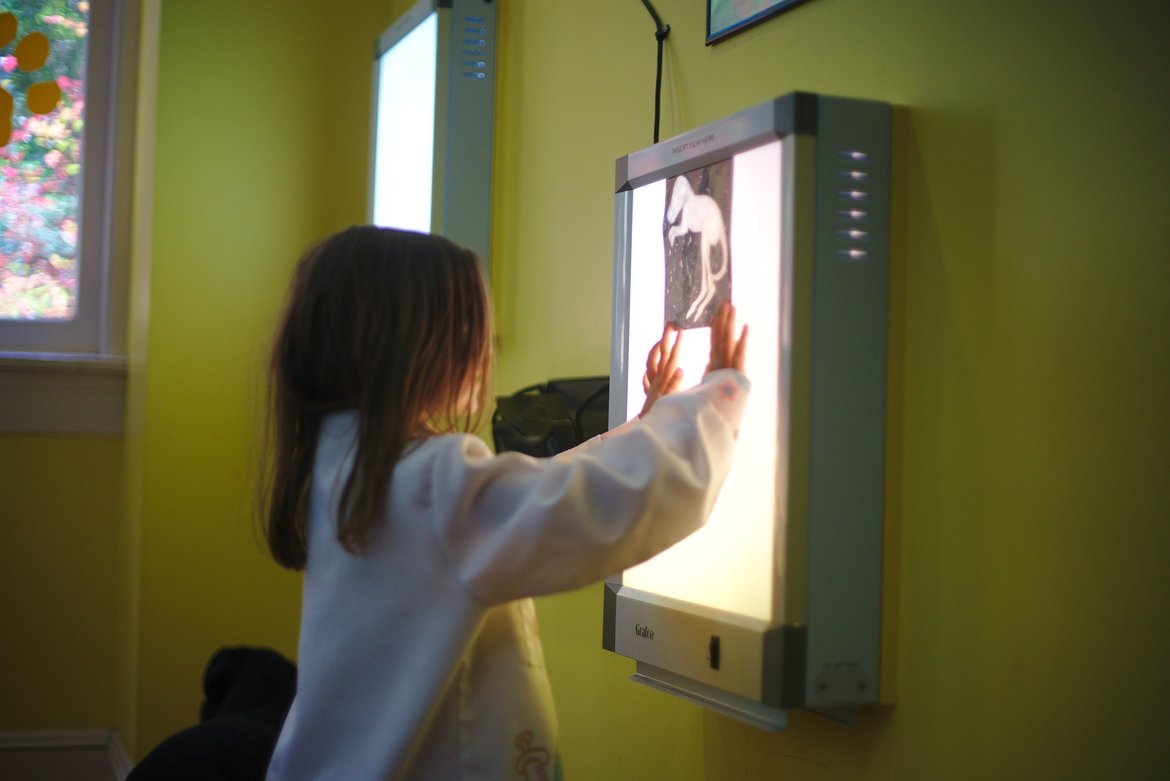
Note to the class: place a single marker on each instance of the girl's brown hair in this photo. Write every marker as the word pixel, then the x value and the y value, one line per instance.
pixel 391 324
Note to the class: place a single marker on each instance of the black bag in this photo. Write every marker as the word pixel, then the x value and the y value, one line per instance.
pixel 549 418
pixel 247 693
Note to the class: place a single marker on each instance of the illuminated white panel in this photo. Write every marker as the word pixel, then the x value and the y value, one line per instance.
pixel 647 283
pixel 729 564
pixel 405 130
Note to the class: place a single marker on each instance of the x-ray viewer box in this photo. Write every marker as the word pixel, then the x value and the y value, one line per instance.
pixel 784 208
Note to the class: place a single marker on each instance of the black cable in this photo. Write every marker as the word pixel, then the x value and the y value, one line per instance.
pixel 660 33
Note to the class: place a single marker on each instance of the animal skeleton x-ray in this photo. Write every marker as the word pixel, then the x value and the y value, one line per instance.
pixel 696 229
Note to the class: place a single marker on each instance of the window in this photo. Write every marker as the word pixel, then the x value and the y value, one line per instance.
pixel 68 71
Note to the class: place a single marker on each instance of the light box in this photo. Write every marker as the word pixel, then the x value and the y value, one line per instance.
pixel 776 602
pixel 431 140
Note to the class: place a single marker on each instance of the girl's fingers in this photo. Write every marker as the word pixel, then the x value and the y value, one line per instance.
pixel 726 321
pixel 741 349
pixel 721 340
pixel 652 358
pixel 662 361
pixel 673 382
pixel 651 368
pixel 672 359
pixel 731 340
pixel 726 349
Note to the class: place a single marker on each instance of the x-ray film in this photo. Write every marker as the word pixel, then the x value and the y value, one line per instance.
pixel 696 234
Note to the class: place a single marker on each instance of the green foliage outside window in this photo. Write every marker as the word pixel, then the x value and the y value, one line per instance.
pixel 41 160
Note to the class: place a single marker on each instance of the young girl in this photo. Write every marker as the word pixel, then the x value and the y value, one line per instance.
pixel 419 656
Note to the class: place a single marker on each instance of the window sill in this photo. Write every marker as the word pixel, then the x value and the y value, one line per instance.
pixel 62 394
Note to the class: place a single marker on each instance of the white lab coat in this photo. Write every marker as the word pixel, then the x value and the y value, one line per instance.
pixel 420 658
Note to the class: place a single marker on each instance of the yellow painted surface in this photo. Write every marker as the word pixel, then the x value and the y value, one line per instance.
pixel 60 504
pixel 32 51
pixel 1029 363
pixel 43 97
pixel 8 28
pixel 262 134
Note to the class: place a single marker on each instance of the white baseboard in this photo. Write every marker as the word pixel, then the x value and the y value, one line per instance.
pixel 66 740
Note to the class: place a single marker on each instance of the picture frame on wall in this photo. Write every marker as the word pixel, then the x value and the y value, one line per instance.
pixel 728 17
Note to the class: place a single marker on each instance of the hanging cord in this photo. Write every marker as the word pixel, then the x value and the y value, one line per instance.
pixel 660 34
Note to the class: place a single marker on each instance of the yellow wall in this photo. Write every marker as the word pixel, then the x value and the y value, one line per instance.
pixel 262 136
pixel 1029 365
pixel 60 504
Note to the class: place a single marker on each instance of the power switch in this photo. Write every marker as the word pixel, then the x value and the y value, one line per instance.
pixel 713 652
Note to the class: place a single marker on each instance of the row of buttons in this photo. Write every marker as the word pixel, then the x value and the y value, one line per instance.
pixel 852 212
pixel 474 48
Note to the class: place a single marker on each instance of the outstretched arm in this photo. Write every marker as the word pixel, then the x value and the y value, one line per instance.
pixel 513 526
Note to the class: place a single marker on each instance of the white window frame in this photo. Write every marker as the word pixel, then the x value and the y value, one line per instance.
pixel 70 377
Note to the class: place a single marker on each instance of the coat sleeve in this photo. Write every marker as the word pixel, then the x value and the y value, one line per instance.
pixel 513 526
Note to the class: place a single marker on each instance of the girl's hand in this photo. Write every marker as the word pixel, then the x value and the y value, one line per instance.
pixel 662 372
pixel 727 352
